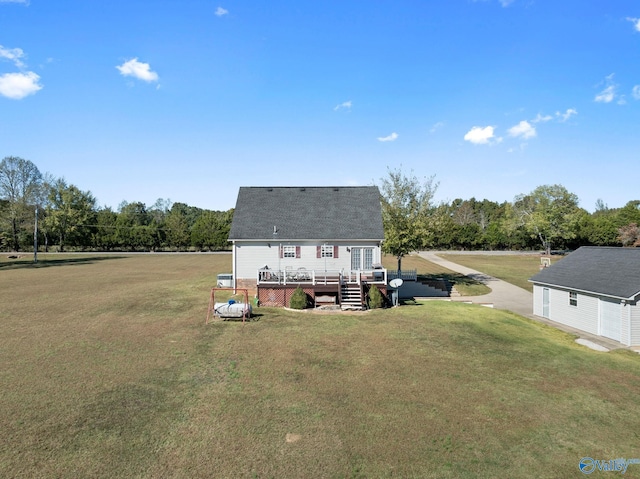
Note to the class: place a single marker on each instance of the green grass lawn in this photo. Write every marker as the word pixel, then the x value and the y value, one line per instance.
pixel 108 370
pixel 512 268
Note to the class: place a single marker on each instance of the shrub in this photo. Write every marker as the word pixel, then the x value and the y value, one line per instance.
pixel 298 299
pixel 375 298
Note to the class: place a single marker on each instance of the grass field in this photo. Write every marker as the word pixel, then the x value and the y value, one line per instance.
pixel 108 370
pixel 512 268
pixel 465 285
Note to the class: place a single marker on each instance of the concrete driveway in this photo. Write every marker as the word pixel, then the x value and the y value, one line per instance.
pixel 506 296
pixel 503 295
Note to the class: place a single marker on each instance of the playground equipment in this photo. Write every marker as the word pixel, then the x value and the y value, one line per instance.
pixel 232 308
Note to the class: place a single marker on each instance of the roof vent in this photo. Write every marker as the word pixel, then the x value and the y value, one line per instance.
pixel 303 189
pixel 336 189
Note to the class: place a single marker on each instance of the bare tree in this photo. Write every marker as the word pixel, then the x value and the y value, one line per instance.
pixel 629 235
pixel 20 187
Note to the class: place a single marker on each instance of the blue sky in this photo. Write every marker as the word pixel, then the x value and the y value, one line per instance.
pixel 189 100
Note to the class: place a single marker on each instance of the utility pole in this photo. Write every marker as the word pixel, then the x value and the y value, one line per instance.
pixel 35 239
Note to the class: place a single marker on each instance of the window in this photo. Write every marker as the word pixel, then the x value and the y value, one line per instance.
pixel 573 298
pixel 326 251
pixel 289 251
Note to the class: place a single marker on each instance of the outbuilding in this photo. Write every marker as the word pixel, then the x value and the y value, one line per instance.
pixel 593 289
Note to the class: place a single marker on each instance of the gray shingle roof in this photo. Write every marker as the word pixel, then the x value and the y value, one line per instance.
pixel 608 271
pixel 308 213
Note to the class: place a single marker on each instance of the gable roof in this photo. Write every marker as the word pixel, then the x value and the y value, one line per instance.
pixel 608 271
pixel 307 213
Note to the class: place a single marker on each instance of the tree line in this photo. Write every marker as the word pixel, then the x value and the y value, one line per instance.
pixel 549 217
pixel 37 208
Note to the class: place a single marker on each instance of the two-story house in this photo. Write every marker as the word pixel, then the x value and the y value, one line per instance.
pixel 327 240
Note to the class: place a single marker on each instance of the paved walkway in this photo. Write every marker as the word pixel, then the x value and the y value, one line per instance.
pixel 503 295
pixel 506 296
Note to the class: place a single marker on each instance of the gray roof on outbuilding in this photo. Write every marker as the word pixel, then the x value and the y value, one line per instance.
pixel 607 271
pixel 308 213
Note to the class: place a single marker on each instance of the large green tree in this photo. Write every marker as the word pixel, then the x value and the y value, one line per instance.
pixel 176 229
pixel 211 230
pixel 134 228
pixel 629 213
pixel 104 234
pixel 549 213
pixel 70 214
pixel 406 203
pixel 599 228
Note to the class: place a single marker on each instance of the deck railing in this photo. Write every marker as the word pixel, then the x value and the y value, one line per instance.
pixel 304 276
pixel 405 275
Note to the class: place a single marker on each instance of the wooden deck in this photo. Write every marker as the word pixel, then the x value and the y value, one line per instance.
pixel 346 289
pixel 303 276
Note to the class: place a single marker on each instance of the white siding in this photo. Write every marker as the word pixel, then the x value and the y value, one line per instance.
pixel 625 325
pixel 251 256
pixel 584 316
pixel 634 313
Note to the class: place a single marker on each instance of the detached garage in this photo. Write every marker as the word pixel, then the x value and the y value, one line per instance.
pixel 593 289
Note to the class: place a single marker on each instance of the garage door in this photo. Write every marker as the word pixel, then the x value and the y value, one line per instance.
pixel 610 319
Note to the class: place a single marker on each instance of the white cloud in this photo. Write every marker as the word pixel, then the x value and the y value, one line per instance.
pixel 524 129
pixel 542 118
pixel 479 135
pixel 520 148
pixel 436 127
pixel 506 3
pixel 24 2
pixel 559 116
pixel 392 137
pixel 221 11
pixel 636 23
pixel 18 85
pixel 344 105
pixel 567 114
pixel 12 54
pixel 635 92
pixel 139 70
pixel 609 93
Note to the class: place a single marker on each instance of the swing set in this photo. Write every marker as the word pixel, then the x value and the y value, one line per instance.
pixel 232 308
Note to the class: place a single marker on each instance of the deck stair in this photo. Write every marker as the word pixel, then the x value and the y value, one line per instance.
pixel 351 296
pixel 417 289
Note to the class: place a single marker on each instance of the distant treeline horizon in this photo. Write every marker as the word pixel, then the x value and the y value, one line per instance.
pixel 42 210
